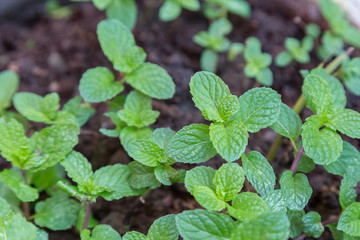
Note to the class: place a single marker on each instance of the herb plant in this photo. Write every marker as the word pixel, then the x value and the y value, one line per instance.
pixel 214 9
pixel 171 9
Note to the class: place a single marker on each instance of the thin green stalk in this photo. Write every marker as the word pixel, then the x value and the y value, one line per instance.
pixel 297 160
pixel 87 215
pixel 26 206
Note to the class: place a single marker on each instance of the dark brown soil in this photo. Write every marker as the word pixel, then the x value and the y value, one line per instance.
pixel 51 55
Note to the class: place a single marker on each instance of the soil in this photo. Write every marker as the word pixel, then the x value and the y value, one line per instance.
pixel 52 54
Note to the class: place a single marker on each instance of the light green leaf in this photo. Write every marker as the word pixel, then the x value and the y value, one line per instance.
pixel 152 80
pixel 241 8
pixel 81 111
pixel 137 110
pixel 305 165
pixel 192 5
pixel 275 200
pixel 98 85
pixel 265 77
pixel 191 145
pixel 209 60
pixel 259 172
pixel 14 145
pixel 147 153
pixel 165 174
pixel 46 178
pixel 259 108
pixel 169 11
pixel 288 123
pixel 164 228
pixel 323 146
pixel 103 231
pixel 347 122
pixel 207 198
pixel 115 38
pixel 77 168
pixel 13 179
pixel 142 176
pixel 5 209
pixel 295 189
pixel 347 194
pixel 230 141
pixel 283 59
pixel 246 206
pixel 350 220
pixel 201 224
pixel 269 226
pixel 228 181
pixel 317 94
pixel 129 135
pixel 124 11
pixel 199 176
pixel 162 137
pixel 56 213
pixel 11 80
pixel 312 224
pixel 133 235
pixel 101 4
pixel 349 156
pixel 296 223
pixel 132 59
pixel 209 92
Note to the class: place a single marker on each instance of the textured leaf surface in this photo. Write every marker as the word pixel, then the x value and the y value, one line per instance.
pixel 296 223
pixel 228 181
pixel 162 137
pixel 259 172
pixel 77 168
pixel 275 200
pixel 98 85
pixel 259 108
pixel 56 213
pixel 288 123
pixel 11 80
pixel 147 153
pixel 270 226
pixel 133 235
pixel 246 206
pixel 347 194
pixel 295 189
pixel 142 176
pixel 152 80
pixel 191 145
pixel 129 135
pixel 347 122
pixel 207 198
pixel 103 231
pixel 312 224
pixel 202 224
pixel 199 176
pixel 164 228
pixel 323 146
pixel 230 141
pixel 350 220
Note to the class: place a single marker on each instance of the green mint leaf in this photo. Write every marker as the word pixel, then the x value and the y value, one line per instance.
pixel 11 80
pixel 124 11
pixel 142 176
pixel 288 123
pixel 317 94
pixel 349 156
pixel 296 222
pixel 132 59
pixel 56 213
pixel 115 38
pixel 312 224
pixel 283 59
pixel 199 176
pixel 349 220
pixel 77 168
pixel 207 198
pixel 246 206
pixel 270 226
pixel 265 77
pixel 164 228
pixel 305 165
pixel 52 144
pixel 192 5
pixel 259 108
pixel 337 89
pixel 323 146
pixel 241 8
pixel 137 110
pixel 201 224
pixel 14 145
pixel 346 121
pixel 15 181
pixel 209 60
pixel 114 178
pixel 162 137
pixel 147 153
pixel 191 145
pixel 71 190
pixel 133 235
pixel 230 141
pixel 295 189
pixel 103 231
pixel 5 209
pixel 129 135
pixel 98 85
pixel 101 4
pixel 228 181
pixel 275 200
pixel 259 172
pixel 313 30
pixel 220 27
pixel 152 80
pixel 46 178
pixel 348 194
pixel 81 111
pixel 165 174
pixel 169 11
pixel 210 96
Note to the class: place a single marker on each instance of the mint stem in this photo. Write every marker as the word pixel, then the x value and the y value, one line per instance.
pixel 26 206
pixel 331 220
pixel 297 159
pixel 87 216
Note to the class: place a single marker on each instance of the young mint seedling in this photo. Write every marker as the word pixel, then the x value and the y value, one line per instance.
pixel 171 9
pixel 350 75
pixel 219 8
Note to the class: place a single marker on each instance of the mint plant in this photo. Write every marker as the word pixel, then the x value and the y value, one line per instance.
pixel 350 75
pixel 220 8
pixel 171 9
pixel 330 45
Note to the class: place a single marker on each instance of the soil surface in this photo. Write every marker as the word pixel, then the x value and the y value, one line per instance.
pixel 51 55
